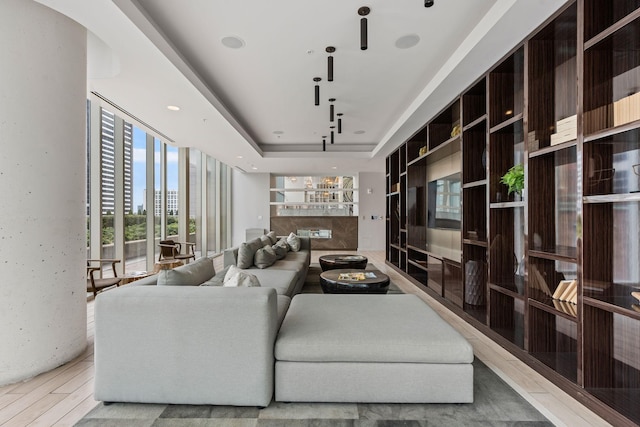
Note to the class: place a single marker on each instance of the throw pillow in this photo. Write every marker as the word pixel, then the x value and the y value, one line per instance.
pixel 265 240
pixel 272 236
pixel 264 257
pixel 191 274
pixel 283 242
pixel 281 251
pixel 247 251
pixel 294 242
pixel 238 278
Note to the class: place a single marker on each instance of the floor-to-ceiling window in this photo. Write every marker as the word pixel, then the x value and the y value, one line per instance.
pixel 133 199
pixel 136 216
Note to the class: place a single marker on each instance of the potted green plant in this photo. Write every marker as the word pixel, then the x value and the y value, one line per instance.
pixel 514 179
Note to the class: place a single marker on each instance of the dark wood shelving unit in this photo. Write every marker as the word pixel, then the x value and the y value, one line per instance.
pixel 565 103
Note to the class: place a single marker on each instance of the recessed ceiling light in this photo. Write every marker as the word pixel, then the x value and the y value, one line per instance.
pixel 334 167
pixel 238 157
pixel 359 132
pixel 232 42
pixel 278 132
pixel 405 42
pixel 173 108
pixel 254 168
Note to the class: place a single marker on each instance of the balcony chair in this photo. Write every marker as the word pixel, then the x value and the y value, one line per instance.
pixel 172 250
pixel 97 284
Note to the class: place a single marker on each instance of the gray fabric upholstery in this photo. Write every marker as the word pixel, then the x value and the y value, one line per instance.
pixel 368 328
pixel 264 257
pixel 374 382
pixel 265 240
pixel 218 279
pixel 294 242
pixel 192 274
pixel 171 344
pixel 283 305
pixel 283 281
pixel 280 251
pixel 370 348
pixel 272 237
pixel 246 252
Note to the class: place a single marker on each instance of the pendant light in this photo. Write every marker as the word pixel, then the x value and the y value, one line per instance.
pixel 317 90
pixel 339 122
pixel 330 50
pixel 363 11
pixel 331 109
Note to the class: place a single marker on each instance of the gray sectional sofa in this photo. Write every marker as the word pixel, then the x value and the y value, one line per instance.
pixel 234 345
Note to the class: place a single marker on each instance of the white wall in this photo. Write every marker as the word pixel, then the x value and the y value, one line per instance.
pixel 371 232
pixel 249 203
pixel 43 303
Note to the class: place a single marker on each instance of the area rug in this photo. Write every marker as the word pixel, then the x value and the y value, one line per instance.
pixel 495 404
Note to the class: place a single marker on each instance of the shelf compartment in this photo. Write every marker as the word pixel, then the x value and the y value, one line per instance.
pixel 612 79
pixel 612 164
pixel 474 153
pixel 453 283
pixel 553 340
pixel 474 224
pixel 475 279
pixel 600 16
pixel 417 272
pixel 506 249
pixel 416 144
pixel 506 149
pixel 611 359
pixel 506 88
pixel 553 201
pixel 445 126
pixel 552 81
pixel 506 315
pixel 435 271
pixel 545 275
pixel 474 102
pixel 611 248
pixel 416 196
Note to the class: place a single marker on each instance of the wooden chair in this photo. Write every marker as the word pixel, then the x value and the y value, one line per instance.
pixel 170 249
pixel 97 284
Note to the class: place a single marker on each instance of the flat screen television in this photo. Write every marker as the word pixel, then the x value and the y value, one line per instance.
pixel 444 207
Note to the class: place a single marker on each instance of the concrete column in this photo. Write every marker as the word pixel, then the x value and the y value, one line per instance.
pixel 43 320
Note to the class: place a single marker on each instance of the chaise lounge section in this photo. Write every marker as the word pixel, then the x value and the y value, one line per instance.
pixel 370 348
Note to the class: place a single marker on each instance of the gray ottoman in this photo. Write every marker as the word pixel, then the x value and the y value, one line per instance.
pixel 370 348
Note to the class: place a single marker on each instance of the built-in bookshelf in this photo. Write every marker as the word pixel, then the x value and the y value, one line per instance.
pixel 553 275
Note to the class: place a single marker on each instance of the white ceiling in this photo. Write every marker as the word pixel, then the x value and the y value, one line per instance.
pixel 257 102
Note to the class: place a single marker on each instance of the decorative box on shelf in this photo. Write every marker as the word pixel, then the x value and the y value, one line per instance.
pixel 626 109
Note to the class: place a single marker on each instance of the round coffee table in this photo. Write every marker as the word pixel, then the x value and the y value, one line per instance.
pixel 354 281
pixel 332 262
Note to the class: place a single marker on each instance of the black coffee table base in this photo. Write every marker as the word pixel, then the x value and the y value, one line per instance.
pixel 331 284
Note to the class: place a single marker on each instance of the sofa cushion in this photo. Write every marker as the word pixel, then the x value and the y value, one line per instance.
pixel 191 274
pixel 272 236
pixel 238 278
pixel 283 281
pixel 280 251
pixel 265 240
pixel 293 241
pixel 283 242
pixel 368 328
pixel 218 279
pixel 246 252
pixel 264 257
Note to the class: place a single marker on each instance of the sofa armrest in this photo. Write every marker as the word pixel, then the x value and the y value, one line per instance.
pixel 305 242
pixel 185 345
pixel 230 256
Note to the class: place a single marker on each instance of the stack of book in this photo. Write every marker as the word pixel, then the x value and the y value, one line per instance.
pixel 626 110
pixel 566 130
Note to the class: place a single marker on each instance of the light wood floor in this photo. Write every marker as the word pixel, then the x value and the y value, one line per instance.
pixel 61 397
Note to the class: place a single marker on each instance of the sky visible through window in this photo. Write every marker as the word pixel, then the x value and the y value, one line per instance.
pixel 139 167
